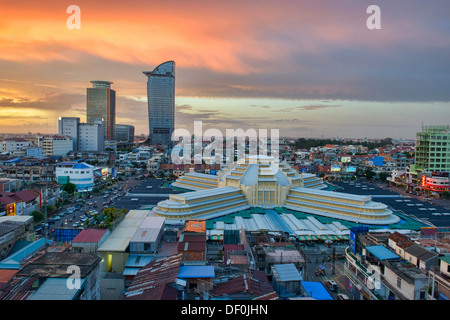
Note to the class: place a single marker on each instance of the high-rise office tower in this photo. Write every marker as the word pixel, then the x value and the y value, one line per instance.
pixel 85 136
pixel 91 137
pixel 101 106
pixel 124 133
pixel 161 103
pixel 68 126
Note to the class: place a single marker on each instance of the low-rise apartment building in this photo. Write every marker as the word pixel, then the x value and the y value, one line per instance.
pixel 397 270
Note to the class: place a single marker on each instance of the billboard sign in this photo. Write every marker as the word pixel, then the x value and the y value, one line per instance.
pixel 335 168
pixel 11 209
pixel 351 169
pixel 378 161
pixel 346 159
pixel 66 234
pixel 19 208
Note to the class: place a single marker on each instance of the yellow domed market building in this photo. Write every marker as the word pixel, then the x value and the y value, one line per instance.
pixel 266 183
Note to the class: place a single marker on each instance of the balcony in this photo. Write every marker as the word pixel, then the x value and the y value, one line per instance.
pixel 358 274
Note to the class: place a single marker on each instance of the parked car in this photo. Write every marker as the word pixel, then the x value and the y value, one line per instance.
pixel 342 296
pixel 332 285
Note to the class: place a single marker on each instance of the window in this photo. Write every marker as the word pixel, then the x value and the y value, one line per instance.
pixel 399 282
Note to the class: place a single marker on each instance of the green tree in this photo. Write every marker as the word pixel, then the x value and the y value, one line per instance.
pixel 383 176
pixel 37 216
pixel 69 188
pixel 369 173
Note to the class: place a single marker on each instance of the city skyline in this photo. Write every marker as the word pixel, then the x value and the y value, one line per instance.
pixel 308 69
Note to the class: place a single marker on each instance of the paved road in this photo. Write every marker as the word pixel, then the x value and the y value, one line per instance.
pixel 436 212
pixel 96 201
pixel 146 195
pixel 316 257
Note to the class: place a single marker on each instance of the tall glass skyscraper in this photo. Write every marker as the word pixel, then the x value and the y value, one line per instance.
pixel 101 106
pixel 161 103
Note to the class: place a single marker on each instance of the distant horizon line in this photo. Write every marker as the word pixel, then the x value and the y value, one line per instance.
pixel 285 137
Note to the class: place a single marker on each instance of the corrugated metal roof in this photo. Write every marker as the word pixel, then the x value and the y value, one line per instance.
pixel 287 272
pixel 55 289
pixel 138 261
pixel 119 239
pixel 145 235
pixel 153 222
pixel 153 277
pixel 13 261
pixel 382 253
pixel 242 284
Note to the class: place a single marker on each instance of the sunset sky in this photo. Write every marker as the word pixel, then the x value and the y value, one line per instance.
pixel 307 68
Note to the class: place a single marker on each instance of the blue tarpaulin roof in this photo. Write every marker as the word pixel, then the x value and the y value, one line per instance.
pixel 316 290
pixel 382 253
pixel 196 272
pixel 80 166
pixel 15 259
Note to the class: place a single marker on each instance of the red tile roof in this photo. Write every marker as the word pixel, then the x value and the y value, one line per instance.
pixel 27 195
pixel 242 284
pixel 6 275
pixel 196 226
pixel 7 200
pixel 191 246
pixel 90 235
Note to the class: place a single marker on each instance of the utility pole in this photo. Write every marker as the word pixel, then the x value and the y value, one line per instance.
pixel 334 260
